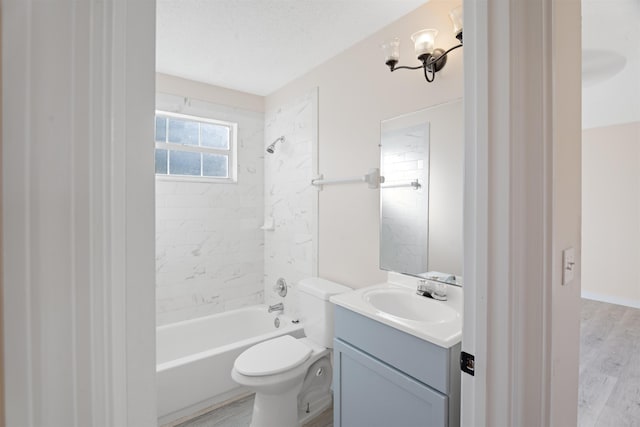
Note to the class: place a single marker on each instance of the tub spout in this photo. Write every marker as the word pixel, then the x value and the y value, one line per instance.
pixel 276 307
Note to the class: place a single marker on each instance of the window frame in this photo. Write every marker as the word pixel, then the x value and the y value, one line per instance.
pixel 232 177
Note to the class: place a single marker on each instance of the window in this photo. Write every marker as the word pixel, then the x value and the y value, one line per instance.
pixel 194 147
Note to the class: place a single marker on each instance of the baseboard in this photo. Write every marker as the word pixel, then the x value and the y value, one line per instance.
pixel 611 299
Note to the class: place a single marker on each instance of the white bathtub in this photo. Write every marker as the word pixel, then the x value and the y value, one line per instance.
pixel 195 357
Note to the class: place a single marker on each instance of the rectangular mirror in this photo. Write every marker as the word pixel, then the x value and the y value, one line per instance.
pixel 422 161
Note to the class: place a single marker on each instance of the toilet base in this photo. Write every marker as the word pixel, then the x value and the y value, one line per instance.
pixel 315 395
pixel 282 400
pixel 271 410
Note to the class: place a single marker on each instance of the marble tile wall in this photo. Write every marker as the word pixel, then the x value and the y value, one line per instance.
pixel 290 199
pixel 209 245
pixel 404 219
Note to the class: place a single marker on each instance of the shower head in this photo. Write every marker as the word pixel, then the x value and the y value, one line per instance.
pixel 271 148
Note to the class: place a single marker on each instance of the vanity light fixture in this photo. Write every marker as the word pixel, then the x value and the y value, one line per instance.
pixel 433 59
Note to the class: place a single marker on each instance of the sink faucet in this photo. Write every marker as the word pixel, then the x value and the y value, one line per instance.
pixel 425 288
pixel 432 289
pixel 276 307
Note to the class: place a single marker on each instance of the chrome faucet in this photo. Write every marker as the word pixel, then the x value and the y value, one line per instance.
pixel 432 289
pixel 450 279
pixel 425 288
pixel 276 307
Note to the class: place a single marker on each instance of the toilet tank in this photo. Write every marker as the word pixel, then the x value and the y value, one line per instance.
pixel 316 310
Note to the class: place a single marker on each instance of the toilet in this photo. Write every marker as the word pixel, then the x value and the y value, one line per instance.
pixel 292 377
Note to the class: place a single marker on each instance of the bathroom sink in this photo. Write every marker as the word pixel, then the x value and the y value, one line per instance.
pixel 397 305
pixel 406 304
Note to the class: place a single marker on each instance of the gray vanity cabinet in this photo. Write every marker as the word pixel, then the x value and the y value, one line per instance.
pixel 384 377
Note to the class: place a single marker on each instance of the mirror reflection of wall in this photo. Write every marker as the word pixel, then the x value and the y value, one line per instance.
pixel 421 228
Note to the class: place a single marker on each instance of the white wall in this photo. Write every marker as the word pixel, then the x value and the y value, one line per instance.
pixel 219 95
pixel 602 104
pixel 209 246
pixel 611 63
pixel 290 201
pixel 356 92
pixel 611 213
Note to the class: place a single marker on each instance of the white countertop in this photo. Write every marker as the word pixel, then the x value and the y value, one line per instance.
pixel 444 334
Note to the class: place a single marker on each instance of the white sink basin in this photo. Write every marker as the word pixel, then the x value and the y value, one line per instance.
pixel 397 305
pixel 406 304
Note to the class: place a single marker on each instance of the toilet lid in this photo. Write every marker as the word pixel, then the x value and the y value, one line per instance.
pixel 272 357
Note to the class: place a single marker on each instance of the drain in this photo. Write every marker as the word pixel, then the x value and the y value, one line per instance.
pixel 276 322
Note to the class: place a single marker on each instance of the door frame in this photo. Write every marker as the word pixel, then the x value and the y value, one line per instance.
pixel 78 212
pixel 2 417
pixel 521 68
pixel 522 208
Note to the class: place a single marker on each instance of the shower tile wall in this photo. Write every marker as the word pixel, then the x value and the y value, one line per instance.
pixel 209 246
pixel 290 249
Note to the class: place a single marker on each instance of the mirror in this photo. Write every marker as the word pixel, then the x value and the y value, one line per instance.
pixel 422 161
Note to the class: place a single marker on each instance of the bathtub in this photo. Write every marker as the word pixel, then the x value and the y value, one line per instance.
pixel 194 357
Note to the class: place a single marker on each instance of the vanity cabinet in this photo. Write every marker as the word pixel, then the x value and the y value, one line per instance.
pixel 385 377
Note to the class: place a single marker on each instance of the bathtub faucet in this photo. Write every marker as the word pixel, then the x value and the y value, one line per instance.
pixel 276 307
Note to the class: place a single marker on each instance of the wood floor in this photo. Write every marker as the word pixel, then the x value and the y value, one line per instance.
pixel 238 414
pixel 609 393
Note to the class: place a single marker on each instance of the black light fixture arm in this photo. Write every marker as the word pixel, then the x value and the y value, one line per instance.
pixel 446 52
pixel 431 63
pixel 433 60
pixel 403 67
pixel 430 67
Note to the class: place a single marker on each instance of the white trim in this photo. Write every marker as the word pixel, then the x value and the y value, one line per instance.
pixel 511 212
pixel 188 178
pixel 16 181
pixel 474 338
pixel 611 299
pixel 189 114
pixel 133 62
pixel 191 148
pixel 193 117
pixel 230 153
pixel 78 213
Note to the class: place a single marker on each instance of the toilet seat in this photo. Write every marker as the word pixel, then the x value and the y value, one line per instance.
pixel 272 357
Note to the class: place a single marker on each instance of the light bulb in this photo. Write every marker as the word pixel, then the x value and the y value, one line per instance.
pixel 391 51
pixel 424 41
pixel 457 16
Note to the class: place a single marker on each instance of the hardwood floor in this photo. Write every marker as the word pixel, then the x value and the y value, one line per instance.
pixel 234 414
pixel 609 393
pixel 238 414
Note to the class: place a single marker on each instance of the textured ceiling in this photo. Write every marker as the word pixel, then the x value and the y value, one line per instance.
pixel 611 62
pixel 258 46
